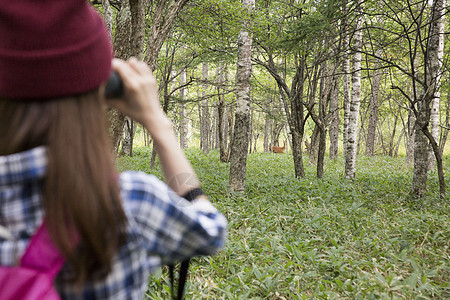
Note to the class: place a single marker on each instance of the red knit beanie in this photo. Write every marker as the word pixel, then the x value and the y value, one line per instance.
pixel 51 48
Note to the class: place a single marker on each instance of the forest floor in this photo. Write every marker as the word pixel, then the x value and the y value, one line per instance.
pixel 318 239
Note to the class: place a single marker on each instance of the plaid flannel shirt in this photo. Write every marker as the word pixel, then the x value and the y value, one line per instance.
pixel 162 227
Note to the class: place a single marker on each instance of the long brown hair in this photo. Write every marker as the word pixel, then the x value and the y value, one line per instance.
pixel 80 189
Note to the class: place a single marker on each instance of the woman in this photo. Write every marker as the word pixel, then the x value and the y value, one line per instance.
pixel 56 163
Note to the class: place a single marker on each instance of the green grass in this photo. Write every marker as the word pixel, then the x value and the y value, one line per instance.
pixel 319 239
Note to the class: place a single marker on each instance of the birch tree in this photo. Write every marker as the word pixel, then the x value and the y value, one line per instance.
pixel 346 84
pixel 438 40
pixel 238 155
pixel 350 153
pixel 423 135
pixel 107 15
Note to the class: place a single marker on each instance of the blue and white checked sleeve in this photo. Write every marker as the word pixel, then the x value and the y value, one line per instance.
pixel 170 226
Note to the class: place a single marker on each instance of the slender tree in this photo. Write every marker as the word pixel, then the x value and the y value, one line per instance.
pixel 221 114
pixel 438 40
pixel 433 69
pixel 334 122
pixel 183 121
pixel 204 120
pixel 346 86
pixel 446 125
pixel 350 153
pixel 373 116
pixel 238 155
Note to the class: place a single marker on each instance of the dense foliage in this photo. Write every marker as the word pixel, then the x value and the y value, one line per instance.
pixel 318 239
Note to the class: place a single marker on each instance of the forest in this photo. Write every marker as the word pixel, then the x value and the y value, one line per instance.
pixel 318 127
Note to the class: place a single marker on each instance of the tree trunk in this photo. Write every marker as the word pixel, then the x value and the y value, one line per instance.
pixel 122 49
pixel 438 41
pixel 220 125
pixel 255 150
pixel 230 127
pixel 297 123
pixel 421 150
pixel 238 156
pixel 162 21
pixel 296 119
pixel 127 143
pixel 250 132
pixel 361 133
pixel 321 152
pixel 328 82
pixel 433 68
pixel 183 122
pixel 204 121
pixel 439 166
pixel 334 124
pixel 314 146
pixel 137 11
pixel 347 94
pixel 350 155
pixel 297 138
pixel 107 15
pixel 411 137
pixel 373 116
pixel 318 71
pixel 221 122
pixel 215 129
pixel 116 122
pixel 267 124
pixel 129 40
pixel 444 130
pixel 402 133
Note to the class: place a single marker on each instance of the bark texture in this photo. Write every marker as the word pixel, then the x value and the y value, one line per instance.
pixel 350 153
pixel 334 123
pixel 204 120
pixel 373 115
pixel 122 50
pixel 221 115
pixel 347 93
pixel 183 122
pixel 238 155
pixel 163 19
pixel 107 15
pixel 445 128
pixel 421 150
pixel 128 41
pixel 437 42
pixel 433 67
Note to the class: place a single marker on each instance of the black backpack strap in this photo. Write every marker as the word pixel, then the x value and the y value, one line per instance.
pixel 184 268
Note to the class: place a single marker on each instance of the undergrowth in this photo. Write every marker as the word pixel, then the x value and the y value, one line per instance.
pixel 310 238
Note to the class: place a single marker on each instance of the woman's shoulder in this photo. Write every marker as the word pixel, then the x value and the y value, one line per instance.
pixel 136 179
pixel 140 186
